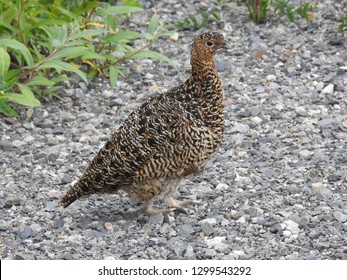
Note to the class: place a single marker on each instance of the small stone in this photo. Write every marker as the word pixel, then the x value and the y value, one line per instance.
pixel 52 156
pixel 89 127
pixel 174 37
pixel 316 187
pixel 221 67
pixel 207 228
pixel 178 247
pixel 23 256
pixel 66 179
pixel 12 201
pixel 326 122
pixel 149 76
pixel 271 78
pixel 108 226
pixel 222 186
pixel 156 219
pixel 107 93
pixel 241 128
pixel 305 153
pixel 58 223
pixel 326 193
pixel 329 89
pixel 259 89
pixel 320 245
pixel 53 193
pixel 292 226
pixel 117 101
pixel 319 86
pixel 6 145
pixel 214 241
pixel 340 217
pixel 4 225
pixel 254 211
pixel 189 253
pixel 109 258
pixel 257 120
pixel 25 233
pixel 211 221
pixel 18 143
pixel 186 229
pixel 344 123
pixel 241 220
pixel 210 253
pixel 301 111
pixel 91 234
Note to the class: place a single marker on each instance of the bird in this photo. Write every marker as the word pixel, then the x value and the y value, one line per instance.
pixel 167 138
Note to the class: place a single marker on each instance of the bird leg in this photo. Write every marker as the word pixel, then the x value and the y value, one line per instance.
pixel 172 203
pixel 150 210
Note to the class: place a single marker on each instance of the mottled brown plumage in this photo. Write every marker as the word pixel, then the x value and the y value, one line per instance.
pixel 168 137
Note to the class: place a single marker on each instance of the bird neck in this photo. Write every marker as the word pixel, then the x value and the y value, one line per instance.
pixel 205 74
pixel 203 70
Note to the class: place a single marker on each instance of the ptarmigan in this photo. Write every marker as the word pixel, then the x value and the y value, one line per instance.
pixel 168 137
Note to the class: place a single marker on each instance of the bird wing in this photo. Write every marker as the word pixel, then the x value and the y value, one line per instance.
pixel 159 139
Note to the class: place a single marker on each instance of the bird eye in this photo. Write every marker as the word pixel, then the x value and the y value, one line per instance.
pixel 209 44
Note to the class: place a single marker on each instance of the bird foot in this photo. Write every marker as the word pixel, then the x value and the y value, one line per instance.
pixel 178 205
pixel 172 205
pixel 156 211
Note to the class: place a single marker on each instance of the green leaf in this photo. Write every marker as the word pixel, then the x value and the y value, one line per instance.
pixel 168 33
pixel 12 75
pixel 63 66
pixel 27 97
pixel 134 3
pixel 13 44
pixel 59 35
pixel 66 12
pixel 4 62
pixel 71 52
pixel 290 14
pixel 153 24
pixel 122 36
pixel 52 91
pixel 114 73
pixel 89 55
pixel 6 109
pixel 154 55
pixel 8 26
pixel 5 86
pixel 119 10
pixel 40 81
pixel 87 33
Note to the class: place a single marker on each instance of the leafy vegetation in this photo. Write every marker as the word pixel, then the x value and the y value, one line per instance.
pixel 259 10
pixel 42 41
pixel 192 22
pixel 343 23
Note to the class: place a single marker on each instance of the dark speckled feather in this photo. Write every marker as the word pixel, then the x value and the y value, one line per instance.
pixel 166 138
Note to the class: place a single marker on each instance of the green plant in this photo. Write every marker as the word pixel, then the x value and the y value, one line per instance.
pixel 259 10
pixel 40 43
pixel 192 22
pixel 343 23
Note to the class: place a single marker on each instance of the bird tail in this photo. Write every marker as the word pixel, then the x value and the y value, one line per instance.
pixel 74 193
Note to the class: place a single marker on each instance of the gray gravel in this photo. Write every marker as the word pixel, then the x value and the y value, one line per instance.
pixel 275 190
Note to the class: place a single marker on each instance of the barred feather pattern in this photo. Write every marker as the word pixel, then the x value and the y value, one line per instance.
pixel 168 137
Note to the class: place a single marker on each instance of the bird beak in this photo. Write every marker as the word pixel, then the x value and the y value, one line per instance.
pixel 223 48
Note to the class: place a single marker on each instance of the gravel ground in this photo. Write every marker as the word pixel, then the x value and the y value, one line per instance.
pixel 275 190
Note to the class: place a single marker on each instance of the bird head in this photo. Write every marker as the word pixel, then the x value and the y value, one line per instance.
pixel 207 45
